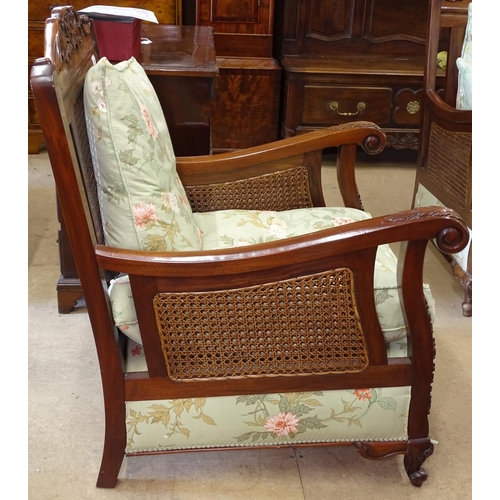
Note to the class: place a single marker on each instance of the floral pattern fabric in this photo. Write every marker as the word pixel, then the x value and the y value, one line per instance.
pixel 371 414
pixel 143 203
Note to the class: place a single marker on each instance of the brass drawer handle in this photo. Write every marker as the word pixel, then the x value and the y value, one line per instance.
pixel 334 106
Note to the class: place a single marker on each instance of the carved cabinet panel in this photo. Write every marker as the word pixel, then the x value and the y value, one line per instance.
pixel 242 28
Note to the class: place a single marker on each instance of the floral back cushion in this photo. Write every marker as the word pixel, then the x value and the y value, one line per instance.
pixel 143 203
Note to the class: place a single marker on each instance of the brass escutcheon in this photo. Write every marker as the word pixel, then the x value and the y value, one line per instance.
pixel 413 107
pixel 334 106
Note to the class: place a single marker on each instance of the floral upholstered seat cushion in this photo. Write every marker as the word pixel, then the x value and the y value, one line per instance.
pixel 232 228
pixel 143 203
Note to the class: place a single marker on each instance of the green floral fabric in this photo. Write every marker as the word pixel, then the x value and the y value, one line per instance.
pixel 143 203
pixel 234 228
pixel 370 414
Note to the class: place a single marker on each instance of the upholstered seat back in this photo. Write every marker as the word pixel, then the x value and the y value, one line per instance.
pixel 143 203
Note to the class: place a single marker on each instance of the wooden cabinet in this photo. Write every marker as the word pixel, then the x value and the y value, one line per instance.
pixel 247 95
pixel 166 11
pixel 180 63
pixel 242 28
pixel 347 60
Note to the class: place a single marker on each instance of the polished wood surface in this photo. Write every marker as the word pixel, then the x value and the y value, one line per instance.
pixel 181 64
pixel 248 90
pixel 242 28
pixel 178 51
pixel 246 104
pixel 57 83
pixel 166 11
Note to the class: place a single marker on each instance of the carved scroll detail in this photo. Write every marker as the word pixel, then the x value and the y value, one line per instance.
pixel 418 452
pixel 372 144
pixel 71 29
pixel 449 239
pixel 423 213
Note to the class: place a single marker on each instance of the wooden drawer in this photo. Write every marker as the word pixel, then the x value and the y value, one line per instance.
pixel 325 105
pixel 407 107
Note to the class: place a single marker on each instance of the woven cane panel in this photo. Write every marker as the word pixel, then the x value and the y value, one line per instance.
pixel 307 325
pixel 284 190
pixel 449 162
pixel 80 138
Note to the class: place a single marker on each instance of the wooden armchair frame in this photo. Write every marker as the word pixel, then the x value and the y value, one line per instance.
pixel 444 165
pixel 290 170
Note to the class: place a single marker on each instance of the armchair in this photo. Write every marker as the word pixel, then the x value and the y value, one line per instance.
pixel 234 291
pixel 444 165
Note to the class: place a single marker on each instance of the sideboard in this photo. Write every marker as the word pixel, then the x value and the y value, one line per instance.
pixel 347 60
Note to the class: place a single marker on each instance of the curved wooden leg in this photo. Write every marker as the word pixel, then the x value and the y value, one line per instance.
pixel 111 463
pixel 418 451
pixel 115 441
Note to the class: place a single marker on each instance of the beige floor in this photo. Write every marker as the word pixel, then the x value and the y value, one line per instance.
pixel 65 401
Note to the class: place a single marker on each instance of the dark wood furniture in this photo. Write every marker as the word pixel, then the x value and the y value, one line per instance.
pixel 182 68
pixel 57 82
pixel 180 63
pixel 247 98
pixel 352 59
pixel 167 12
pixel 444 165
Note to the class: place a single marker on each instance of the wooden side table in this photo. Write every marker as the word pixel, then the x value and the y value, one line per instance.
pixel 180 62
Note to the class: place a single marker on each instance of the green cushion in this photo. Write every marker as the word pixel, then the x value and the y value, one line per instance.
pixel 143 203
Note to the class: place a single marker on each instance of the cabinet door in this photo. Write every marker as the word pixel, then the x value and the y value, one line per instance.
pixel 241 27
pixel 384 30
pixel 354 27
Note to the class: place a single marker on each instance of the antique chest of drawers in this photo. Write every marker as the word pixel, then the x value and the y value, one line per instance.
pixel 347 60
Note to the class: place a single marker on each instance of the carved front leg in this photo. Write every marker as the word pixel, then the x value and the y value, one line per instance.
pixel 417 453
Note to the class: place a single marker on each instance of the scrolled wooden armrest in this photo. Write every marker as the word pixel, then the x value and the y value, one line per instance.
pixel 446 112
pixel 422 224
pixel 294 165
pixel 266 158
